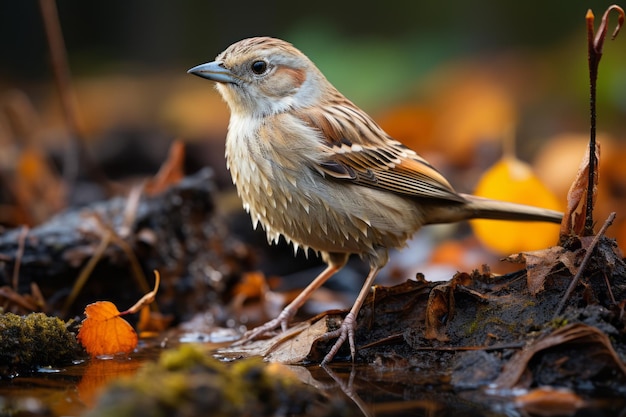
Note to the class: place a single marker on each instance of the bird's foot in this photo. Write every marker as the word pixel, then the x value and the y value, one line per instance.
pixel 346 331
pixel 281 320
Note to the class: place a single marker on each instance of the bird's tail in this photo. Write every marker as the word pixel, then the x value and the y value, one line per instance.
pixel 483 208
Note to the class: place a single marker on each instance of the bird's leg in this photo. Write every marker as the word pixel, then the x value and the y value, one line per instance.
pixel 348 326
pixel 288 312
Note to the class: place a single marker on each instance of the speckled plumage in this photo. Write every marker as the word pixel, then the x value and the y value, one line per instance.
pixel 311 166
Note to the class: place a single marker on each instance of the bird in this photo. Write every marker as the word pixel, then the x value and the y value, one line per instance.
pixel 312 167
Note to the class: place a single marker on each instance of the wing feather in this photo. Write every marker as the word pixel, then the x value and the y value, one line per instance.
pixel 361 152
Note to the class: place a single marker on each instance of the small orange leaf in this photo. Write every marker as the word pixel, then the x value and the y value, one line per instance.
pixel 513 180
pixel 104 332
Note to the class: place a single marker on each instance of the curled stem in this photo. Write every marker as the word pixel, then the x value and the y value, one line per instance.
pixel 598 41
pixel 595 43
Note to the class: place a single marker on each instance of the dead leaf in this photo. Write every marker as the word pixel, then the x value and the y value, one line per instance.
pixel 289 347
pixel 151 323
pixel 574 218
pixel 539 264
pixel 170 172
pixel 548 402
pixel 589 341
pixel 39 189
pixel 252 285
pixel 440 307
pixel 104 332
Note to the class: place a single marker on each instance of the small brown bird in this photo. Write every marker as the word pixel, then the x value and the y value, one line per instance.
pixel 312 167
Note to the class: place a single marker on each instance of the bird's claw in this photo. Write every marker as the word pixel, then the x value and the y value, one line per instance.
pixel 282 320
pixel 345 331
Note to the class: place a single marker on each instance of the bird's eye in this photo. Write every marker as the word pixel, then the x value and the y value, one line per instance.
pixel 259 67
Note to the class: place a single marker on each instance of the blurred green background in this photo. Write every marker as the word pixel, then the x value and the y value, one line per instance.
pixel 451 79
pixel 370 50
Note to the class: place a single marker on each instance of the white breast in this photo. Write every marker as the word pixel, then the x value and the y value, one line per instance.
pixel 271 168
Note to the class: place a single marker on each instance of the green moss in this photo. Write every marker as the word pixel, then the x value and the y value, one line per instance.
pixel 187 381
pixel 187 357
pixel 485 317
pixel 558 322
pixel 33 341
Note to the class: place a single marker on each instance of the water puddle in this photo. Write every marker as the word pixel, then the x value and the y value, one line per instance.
pixel 356 390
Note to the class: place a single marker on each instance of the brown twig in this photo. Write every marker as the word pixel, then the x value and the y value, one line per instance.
pixel 62 77
pixel 17 299
pixel 595 43
pixel 583 265
pixel 609 289
pixel 21 242
pixel 86 272
pixel 37 295
pixel 398 337
pixel 517 345
pixel 146 299
pixel 76 155
pixel 108 235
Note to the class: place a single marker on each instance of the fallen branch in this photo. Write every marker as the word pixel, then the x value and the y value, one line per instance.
pixel 583 265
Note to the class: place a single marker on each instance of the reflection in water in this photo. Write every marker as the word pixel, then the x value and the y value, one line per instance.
pixel 363 390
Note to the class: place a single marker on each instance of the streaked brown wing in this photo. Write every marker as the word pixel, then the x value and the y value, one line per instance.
pixel 361 152
pixel 411 177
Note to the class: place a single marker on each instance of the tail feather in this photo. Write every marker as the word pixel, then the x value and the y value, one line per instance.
pixel 483 208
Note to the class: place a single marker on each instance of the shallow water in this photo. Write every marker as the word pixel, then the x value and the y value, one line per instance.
pixel 366 390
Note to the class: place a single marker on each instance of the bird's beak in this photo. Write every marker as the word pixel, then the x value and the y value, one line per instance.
pixel 214 71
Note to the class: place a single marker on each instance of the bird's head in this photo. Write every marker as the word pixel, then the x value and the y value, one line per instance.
pixel 263 76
